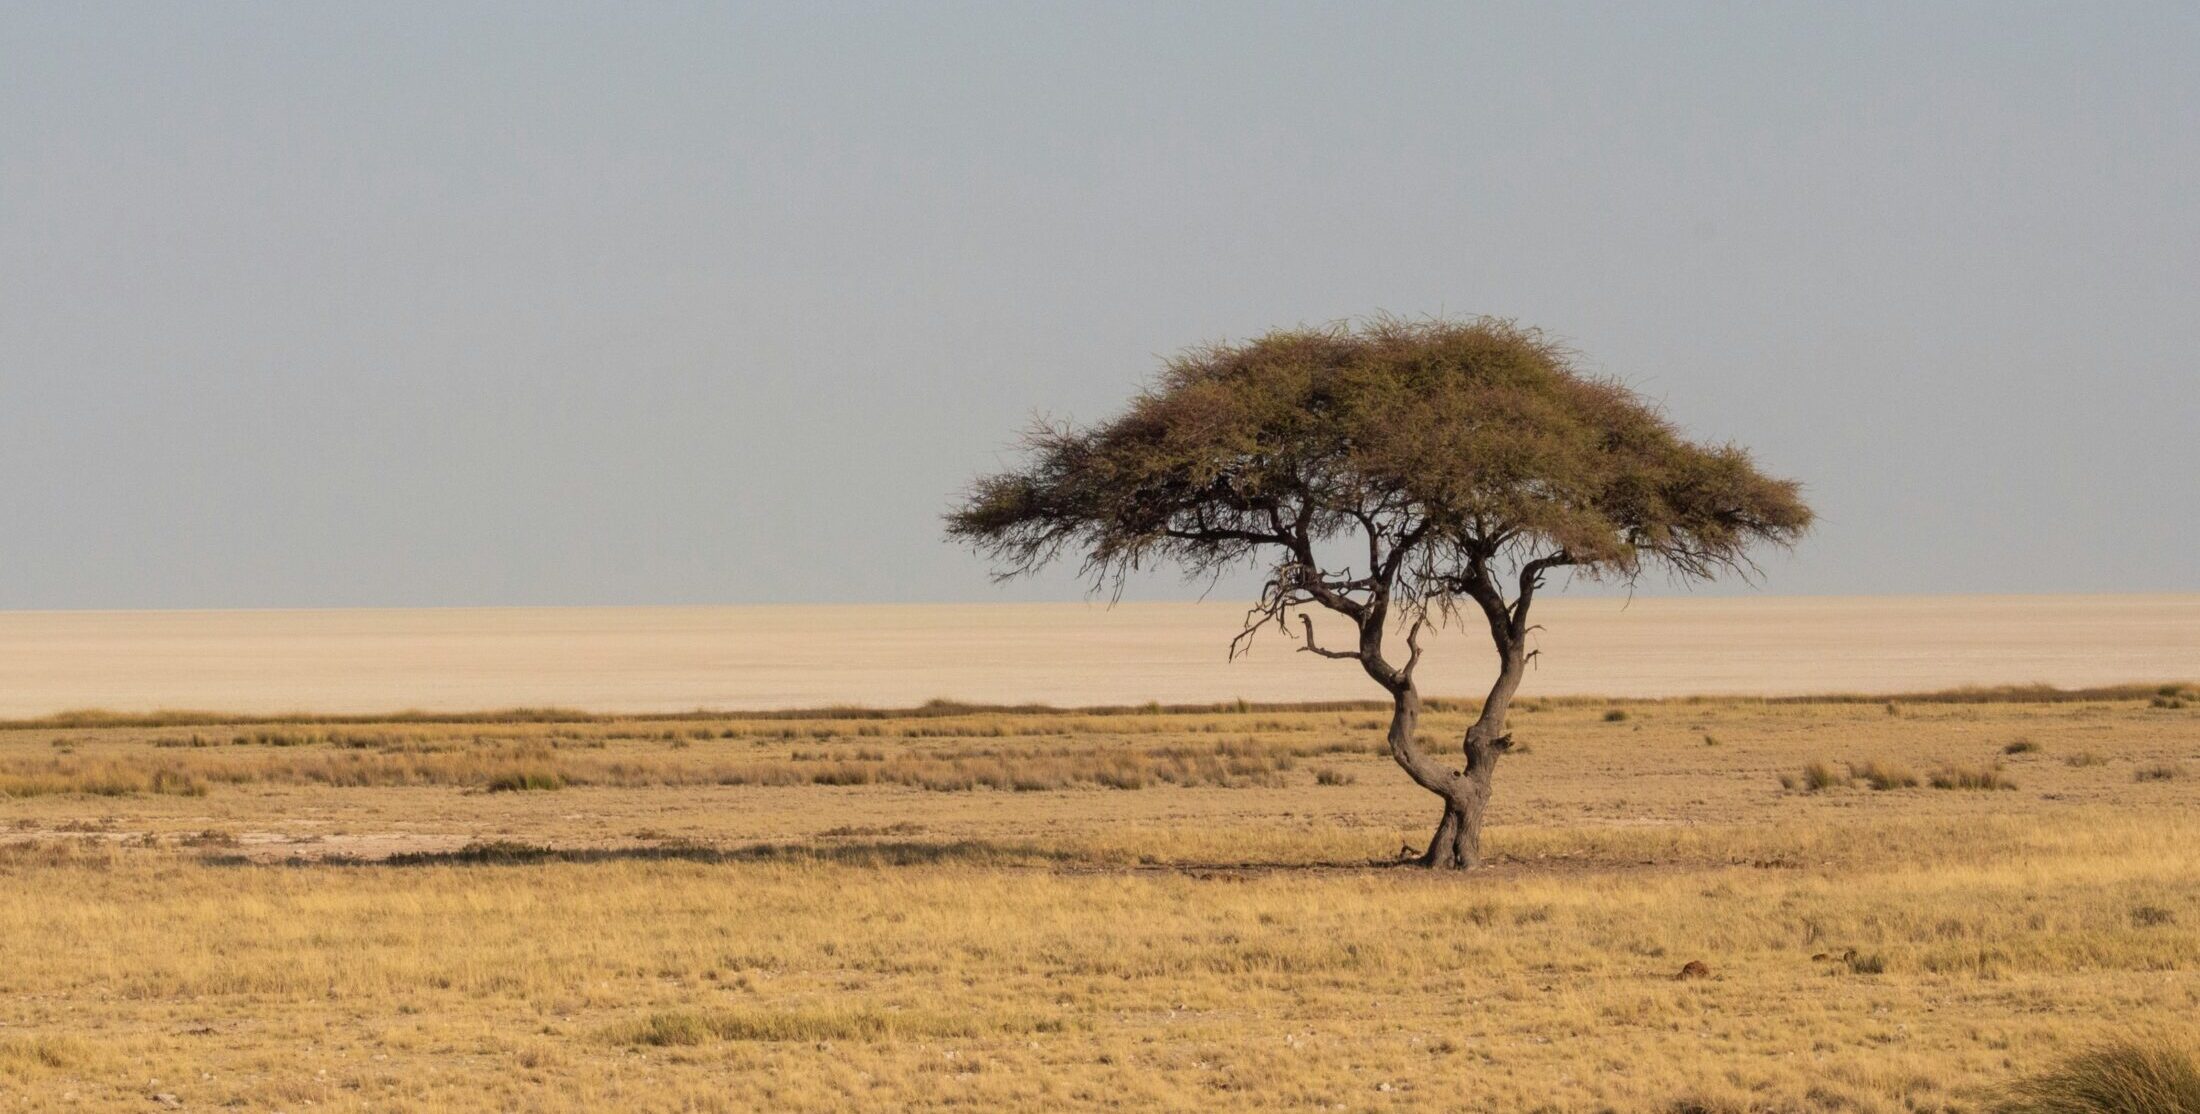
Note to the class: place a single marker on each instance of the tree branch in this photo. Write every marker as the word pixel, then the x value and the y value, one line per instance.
pixel 1531 578
pixel 1479 586
pixel 1413 647
pixel 1307 621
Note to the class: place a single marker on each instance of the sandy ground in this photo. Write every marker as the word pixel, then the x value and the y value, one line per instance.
pixel 680 658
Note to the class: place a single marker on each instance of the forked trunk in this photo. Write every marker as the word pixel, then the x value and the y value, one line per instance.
pixel 1457 844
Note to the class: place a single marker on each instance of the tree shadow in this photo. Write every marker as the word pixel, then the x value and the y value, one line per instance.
pixel 883 853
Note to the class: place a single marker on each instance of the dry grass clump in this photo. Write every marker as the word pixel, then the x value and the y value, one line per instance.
pixel 2160 771
pixel 1816 777
pixel 29 1056
pixel 2021 746
pixel 1953 776
pixel 114 778
pixel 1882 775
pixel 503 766
pixel 1878 773
pixel 519 781
pixel 2127 1077
pixel 2151 916
pixel 2083 759
pixel 692 1027
pixel 1862 964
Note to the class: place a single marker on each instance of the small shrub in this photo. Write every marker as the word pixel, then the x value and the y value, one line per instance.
pixel 2160 771
pixel 1710 740
pixel 1615 715
pixel 2084 758
pixel 1883 775
pixel 1971 777
pixel 1873 964
pixel 2128 1077
pixel 2021 746
pixel 1330 775
pixel 2170 702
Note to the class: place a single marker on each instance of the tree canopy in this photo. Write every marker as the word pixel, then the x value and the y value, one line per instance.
pixel 1387 471
pixel 1442 443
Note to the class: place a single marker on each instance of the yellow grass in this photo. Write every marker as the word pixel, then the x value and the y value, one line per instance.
pixel 350 916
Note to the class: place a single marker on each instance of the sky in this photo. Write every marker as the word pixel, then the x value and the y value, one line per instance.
pixel 317 305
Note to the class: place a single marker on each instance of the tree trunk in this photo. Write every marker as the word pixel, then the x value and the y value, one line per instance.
pixel 1458 840
pixel 1457 844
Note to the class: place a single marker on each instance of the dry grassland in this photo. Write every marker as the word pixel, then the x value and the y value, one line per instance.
pixel 1141 910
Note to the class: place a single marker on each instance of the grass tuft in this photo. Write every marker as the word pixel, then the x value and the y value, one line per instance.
pixel 2127 1077
pixel 520 781
pixel 1817 777
pixel 691 1027
pixel 1883 775
pixel 99 779
pixel 2151 916
pixel 1971 777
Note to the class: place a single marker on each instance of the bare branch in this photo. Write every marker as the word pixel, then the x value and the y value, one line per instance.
pixel 1531 578
pixel 1413 646
pixel 1311 646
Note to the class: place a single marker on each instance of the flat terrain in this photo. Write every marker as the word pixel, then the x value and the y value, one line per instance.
pixel 1151 910
pixel 676 659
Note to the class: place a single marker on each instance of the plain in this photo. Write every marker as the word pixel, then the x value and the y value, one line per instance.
pixel 1137 909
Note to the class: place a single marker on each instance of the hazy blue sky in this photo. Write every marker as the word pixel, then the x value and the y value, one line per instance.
pixel 396 304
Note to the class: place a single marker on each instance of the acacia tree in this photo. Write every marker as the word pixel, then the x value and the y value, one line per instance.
pixel 1400 474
